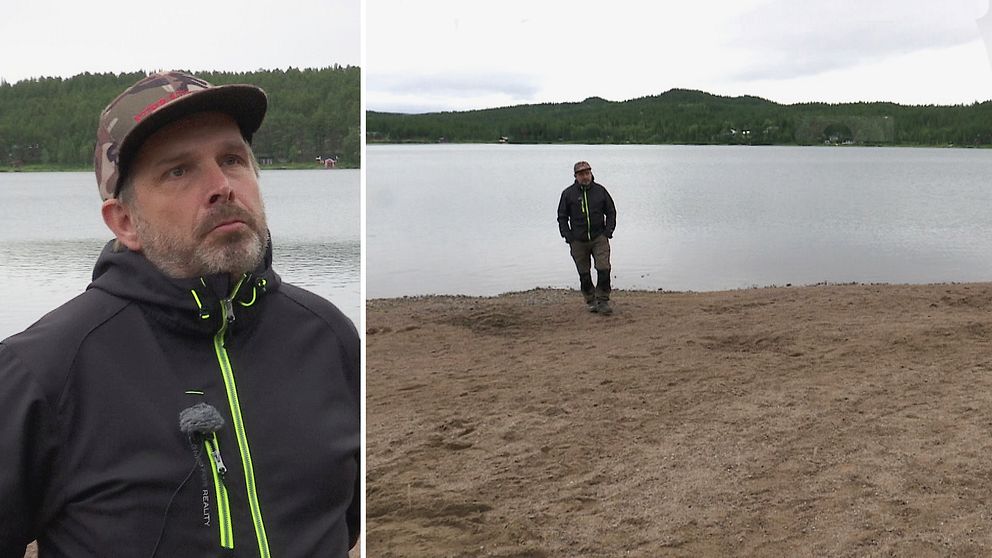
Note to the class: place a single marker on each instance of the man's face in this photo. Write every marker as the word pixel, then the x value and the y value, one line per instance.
pixel 584 177
pixel 196 206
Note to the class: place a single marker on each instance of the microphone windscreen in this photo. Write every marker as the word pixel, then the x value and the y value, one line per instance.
pixel 201 418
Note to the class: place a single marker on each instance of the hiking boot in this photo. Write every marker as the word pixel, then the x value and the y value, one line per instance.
pixel 603 307
pixel 592 306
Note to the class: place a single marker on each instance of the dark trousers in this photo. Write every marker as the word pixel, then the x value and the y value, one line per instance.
pixel 589 253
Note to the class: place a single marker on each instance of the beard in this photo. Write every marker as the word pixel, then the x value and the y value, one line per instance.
pixel 205 252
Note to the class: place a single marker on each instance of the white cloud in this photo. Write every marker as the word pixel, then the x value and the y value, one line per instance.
pixel 788 39
pixel 946 76
pixel 56 38
pixel 910 51
pixel 432 93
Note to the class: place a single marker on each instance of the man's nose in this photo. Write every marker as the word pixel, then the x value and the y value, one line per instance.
pixel 220 189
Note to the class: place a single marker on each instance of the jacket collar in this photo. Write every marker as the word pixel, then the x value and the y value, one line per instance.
pixel 195 303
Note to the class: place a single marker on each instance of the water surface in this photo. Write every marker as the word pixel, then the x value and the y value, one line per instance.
pixel 52 234
pixel 481 219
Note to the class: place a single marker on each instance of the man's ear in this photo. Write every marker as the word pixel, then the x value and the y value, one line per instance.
pixel 118 219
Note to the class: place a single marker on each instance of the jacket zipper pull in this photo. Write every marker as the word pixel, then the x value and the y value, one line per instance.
pixel 228 309
pixel 221 469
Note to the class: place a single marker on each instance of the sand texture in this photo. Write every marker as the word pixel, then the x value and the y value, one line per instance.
pixel 833 420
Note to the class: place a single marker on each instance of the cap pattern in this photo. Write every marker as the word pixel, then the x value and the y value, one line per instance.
pixel 155 101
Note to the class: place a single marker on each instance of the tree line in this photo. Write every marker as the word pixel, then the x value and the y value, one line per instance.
pixel 51 121
pixel 694 117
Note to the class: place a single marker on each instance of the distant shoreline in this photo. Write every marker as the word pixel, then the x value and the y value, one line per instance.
pixel 682 116
pixel 53 168
pixel 907 145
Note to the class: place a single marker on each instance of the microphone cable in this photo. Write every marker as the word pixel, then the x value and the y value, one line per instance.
pixel 195 422
pixel 165 516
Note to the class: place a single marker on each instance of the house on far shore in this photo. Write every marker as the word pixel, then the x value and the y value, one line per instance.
pixel 328 163
pixel 264 159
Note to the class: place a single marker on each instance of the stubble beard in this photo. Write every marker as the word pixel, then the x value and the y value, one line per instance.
pixel 204 252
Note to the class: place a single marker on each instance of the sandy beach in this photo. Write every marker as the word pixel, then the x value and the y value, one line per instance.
pixel 829 420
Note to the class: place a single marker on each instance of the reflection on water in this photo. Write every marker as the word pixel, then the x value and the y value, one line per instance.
pixel 47 261
pixel 327 269
pixel 51 235
pixel 39 276
pixel 329 263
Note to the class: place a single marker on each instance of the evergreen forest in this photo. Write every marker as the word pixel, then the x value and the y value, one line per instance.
pixel 694 117
pixel 51 122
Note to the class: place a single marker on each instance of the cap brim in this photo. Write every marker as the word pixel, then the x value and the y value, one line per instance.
pixel 245 103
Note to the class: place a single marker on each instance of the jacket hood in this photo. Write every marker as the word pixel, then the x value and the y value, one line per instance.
pixel 131 276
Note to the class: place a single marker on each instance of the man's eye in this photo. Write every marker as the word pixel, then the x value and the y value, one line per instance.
pixel 177 172
pixel 232 160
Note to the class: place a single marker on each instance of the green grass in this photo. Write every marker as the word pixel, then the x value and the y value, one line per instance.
pixel 47 168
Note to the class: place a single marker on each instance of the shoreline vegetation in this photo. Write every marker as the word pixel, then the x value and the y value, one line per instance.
pixel 314 114
pixel 89 168
pixel 910 145
pixel 687 117
pixel 827 420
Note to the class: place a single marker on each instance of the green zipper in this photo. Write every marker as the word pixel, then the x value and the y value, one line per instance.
pixel 239 425
pixel 223 504
pixel 585 209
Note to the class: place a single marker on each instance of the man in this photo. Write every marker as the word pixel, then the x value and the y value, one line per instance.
pixel 188 403
pixel 586 220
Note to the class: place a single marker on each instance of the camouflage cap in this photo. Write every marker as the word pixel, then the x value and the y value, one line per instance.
pixel 581 166
pixel 155 101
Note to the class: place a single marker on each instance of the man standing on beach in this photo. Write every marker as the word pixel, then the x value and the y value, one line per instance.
pixel 189 402
pixel 586 220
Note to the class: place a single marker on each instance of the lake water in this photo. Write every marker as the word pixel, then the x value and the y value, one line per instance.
pixel 52 234
pixel 481 219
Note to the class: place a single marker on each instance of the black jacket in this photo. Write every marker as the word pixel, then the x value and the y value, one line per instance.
pixel 584 213
pixel 92 459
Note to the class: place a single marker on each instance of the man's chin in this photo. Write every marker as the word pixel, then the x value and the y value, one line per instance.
pixel 233 250
pixel 234 253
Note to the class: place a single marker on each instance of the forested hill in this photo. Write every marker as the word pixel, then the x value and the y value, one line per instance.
pixel 51 122
pixel 694 117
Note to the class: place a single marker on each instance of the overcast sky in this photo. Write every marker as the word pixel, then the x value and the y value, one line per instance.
pixel 433 55
pixel 436 55
pixel 58 38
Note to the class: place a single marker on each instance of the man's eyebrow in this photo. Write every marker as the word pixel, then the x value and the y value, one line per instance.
pixel 228 147
pixel 234 146
pixel 173 159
